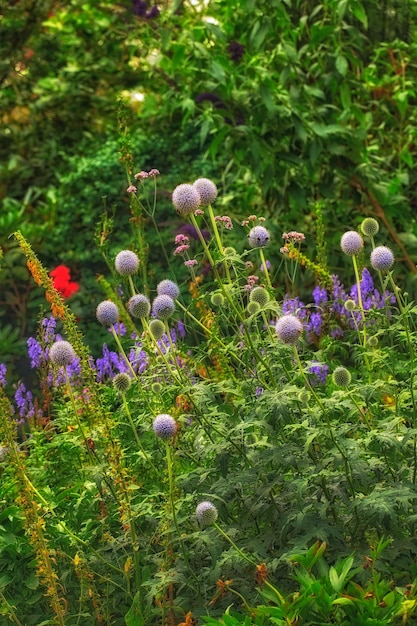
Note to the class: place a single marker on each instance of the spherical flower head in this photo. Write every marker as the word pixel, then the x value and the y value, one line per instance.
pixel 62 353
pixel 206 189
pixel 382 258
pixel 259 295
pixel 206 513
pixel 258 237
pixel 341 376
pixel 168 288
pixel 253 308
pixel 351 243
pixel 350 305
pixel 156 387
pixel 139 306
pixel 373 341
pixel 157 329
pixel 126 263
pixel 107 313
pixel 217 299
pixel 369 227
pixel 163 307
pixel 121 382
pixel 164 426
pixel 289 328
pixel 186 199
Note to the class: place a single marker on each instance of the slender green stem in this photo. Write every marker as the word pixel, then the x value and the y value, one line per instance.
pixel 218 240
pixel 171 483
pixel 119 345
pixel 263 261
pixel 135 433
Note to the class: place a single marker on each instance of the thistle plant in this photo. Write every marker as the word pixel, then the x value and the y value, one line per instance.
pixel 225 437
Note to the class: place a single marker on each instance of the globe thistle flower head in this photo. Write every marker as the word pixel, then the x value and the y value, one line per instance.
pixel 121 382
pixel 126 263
pixel 186 199
pixel 373 341
pixel 139 306
pixel 351 243
pixel 217 299
pixel 156 388
pixel 206 513
pixel 163 307
pixel 206 189
pixel 157 329
pixel 341 377
pixel 369 227
pixel 289 328
pixel 350 305
pixel 258 237
pixel 259 295
pixel 107 313
pixel 168 288
pixel 382 258
pixel 164 426
pixel 62 353
pixel 253 307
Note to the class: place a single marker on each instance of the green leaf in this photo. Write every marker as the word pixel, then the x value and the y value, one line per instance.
pixel 134 615
pixel 341 64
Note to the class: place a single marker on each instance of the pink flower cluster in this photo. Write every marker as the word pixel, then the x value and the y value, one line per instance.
pixel 142 174
pixel 225 221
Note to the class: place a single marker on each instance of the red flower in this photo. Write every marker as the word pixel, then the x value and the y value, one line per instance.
pixel 61 277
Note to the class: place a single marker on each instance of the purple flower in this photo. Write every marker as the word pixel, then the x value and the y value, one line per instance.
pixel 318 372
pixel 164 426
pixel 3 371
pixel 382 258
pixel 315 324
pixel 186 199
pixel 206 513
pixel 206 189
pixel 163 307
pixel 35 352
pixel 289 328
pixel 320 295
pixel 351 243
pixel 168 288
pixel 126 262
pixel 107 313
pixel 259 237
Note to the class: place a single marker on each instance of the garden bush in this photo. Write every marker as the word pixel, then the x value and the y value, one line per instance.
pixel 232 454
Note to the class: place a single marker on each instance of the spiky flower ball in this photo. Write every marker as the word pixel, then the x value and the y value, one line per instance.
pixel 253 308
pixel 382 258
pixel 341 376
pixel 126 263
pixel 351 243
pixel 121 382
pixel 350 305
pixel 139 306
pixel 259 295
pixel 107 313
pixel 62 353
pixel 206 189
pixel 157 329
pixel 259 237
pixel 163 307
pixel 289 328
pixel 217 299
pixel 206 513
pixel 304 396
pixel 369 227
pixel 168 288
pixel 156 388
pixel 186 199
pixel 373 341
pixel 164 426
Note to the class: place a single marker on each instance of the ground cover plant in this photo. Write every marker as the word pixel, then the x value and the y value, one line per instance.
pixel 234 455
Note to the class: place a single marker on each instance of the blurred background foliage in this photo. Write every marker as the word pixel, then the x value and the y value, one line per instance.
pixel 286 104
